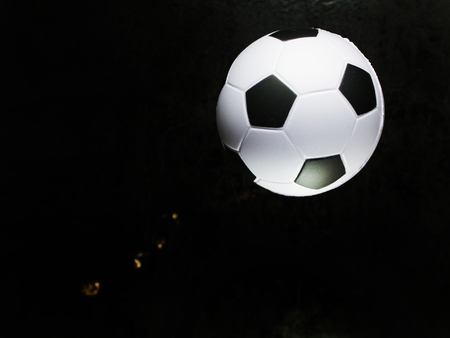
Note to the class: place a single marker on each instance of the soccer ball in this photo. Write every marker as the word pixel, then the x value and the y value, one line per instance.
pixel 304 110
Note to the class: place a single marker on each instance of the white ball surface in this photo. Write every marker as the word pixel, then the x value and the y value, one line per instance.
pixel 304 110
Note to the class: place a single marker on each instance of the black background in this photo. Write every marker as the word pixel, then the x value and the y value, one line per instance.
pixel 107 129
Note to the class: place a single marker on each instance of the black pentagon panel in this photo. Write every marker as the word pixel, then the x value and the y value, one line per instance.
pixel 319 172
pixel 357 86
pixel 269 103
pixel 295 33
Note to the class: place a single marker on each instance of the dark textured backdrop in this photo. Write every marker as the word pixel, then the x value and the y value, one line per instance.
pixel 107 128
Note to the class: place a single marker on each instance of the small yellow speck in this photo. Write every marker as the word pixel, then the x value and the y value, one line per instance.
pixel 91 289
pixel 137 263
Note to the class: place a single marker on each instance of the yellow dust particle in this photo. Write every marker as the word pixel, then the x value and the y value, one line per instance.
pixel 137 263
pixel 91 288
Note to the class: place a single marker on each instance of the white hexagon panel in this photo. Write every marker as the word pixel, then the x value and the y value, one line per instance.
pixel 304 110
pixel 232 117
pixel 321 123
pixel 276 160
pixel 363 142
pixel 310 65
pixel 255 63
